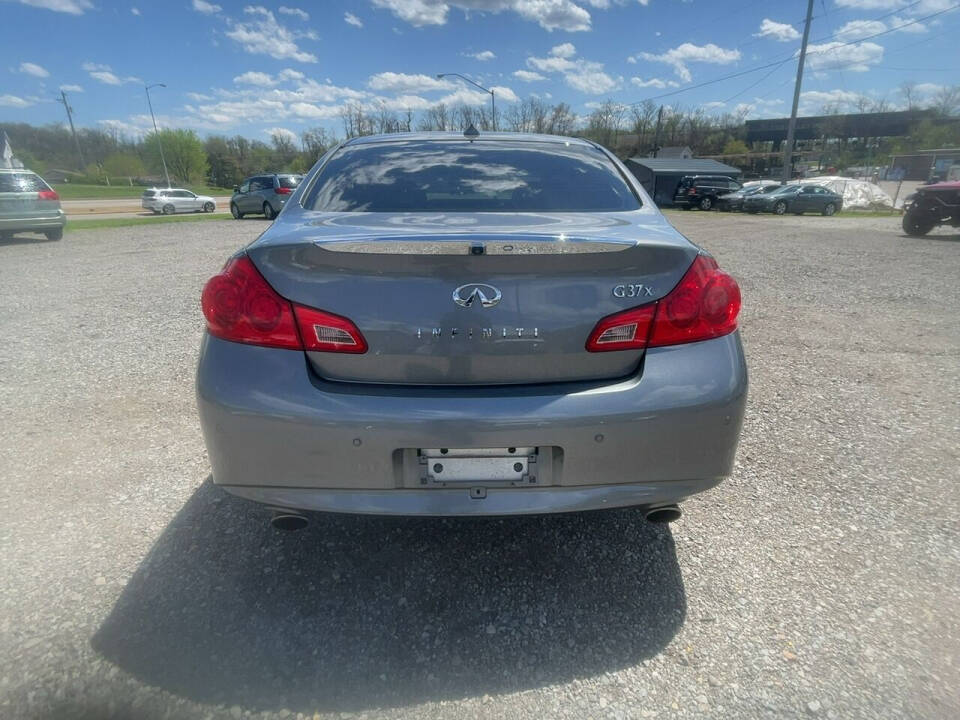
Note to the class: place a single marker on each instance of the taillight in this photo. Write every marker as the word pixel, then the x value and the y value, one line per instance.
pixel 703 305
pixel 283 190
pixel 240 306
pixel 47 195
pixel 624 331
pixel 692 191
pixel 326 332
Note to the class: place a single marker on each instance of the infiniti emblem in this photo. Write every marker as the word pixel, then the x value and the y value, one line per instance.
pixel 465 295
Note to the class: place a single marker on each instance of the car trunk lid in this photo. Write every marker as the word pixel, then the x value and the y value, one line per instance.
pixel 441 302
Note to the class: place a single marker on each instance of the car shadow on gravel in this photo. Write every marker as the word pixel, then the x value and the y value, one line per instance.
pixel 358 612
pixel 25 239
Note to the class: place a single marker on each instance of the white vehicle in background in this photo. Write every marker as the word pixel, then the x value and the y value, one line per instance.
pixel 176 200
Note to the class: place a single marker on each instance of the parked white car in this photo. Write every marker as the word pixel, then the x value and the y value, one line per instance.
pixel 175 200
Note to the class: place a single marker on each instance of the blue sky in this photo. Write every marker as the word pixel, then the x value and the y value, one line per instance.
pixel 252 68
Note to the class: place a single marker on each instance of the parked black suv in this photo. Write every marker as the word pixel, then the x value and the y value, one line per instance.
pixel 702 190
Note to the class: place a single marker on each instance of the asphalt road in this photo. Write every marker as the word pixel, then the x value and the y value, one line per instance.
pixel 119 207
pixel 821 580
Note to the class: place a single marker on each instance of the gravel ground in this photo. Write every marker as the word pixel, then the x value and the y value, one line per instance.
pixel 821 580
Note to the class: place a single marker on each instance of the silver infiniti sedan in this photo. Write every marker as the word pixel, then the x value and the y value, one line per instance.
pixel 441 324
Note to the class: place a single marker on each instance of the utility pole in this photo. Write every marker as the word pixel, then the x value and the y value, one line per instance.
pixel 76 140
pixel 146 89
pixel 792 127
pixel 656 134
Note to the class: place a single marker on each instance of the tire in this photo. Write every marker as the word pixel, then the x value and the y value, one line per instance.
pixel 169 209
pixel 55 234
pixel 916 226
pixel 268 212
pixel 235 211
pixel 208 207
pixel 780 208
pixel 829 209
pixel 706 203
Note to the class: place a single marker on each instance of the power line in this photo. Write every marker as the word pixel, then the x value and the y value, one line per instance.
pixel 780 62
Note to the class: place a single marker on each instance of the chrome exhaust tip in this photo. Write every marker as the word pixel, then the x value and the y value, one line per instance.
pixel 288 521
pixel 663 514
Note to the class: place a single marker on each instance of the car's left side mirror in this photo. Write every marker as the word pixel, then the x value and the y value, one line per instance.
pixel 236 188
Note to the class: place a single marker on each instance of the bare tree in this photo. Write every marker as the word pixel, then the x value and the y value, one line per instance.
pixel 908 91
pixel 947 100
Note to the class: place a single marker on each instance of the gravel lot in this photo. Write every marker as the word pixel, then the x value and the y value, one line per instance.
pixel 821 580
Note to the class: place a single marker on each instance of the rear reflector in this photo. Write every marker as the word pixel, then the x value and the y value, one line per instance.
pixel 703 305
pixel 47 195
pixel 240 306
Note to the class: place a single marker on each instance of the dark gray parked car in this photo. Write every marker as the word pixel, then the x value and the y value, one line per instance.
pixel 446 326
pixel 263 194
pixel 796 199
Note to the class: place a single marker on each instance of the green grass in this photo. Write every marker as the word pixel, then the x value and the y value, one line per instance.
pixel 73 191
pixel 95 223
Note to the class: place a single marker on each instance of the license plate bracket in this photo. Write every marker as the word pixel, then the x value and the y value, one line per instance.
pixel 483 466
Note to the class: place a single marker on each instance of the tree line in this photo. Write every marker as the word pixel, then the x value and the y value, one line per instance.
pixel 223 161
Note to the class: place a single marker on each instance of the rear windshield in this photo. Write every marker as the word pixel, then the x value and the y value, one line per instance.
pixel 21 182
pixel 149 193
pixel 460 176
pixel 289 181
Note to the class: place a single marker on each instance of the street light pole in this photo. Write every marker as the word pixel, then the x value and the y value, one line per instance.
pixel 159 139
pixel 493 101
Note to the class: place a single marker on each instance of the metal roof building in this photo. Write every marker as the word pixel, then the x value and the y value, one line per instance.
pixel 660 176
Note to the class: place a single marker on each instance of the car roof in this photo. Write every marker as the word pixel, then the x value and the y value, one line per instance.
pixel 10 171
pixel 483 136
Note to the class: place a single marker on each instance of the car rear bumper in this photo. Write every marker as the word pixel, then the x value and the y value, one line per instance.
pixel 46 222
pixel 277 434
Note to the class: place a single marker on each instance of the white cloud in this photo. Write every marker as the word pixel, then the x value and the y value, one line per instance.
pixel 265 36
pixel 587 76
pixel 198 97
pixel 483 55
pixel 71 88
pixel 105 74
pixel 71 7
pixel 782 32
pixel 870 4
pixel 351 19
pixel 760 108
pixel 653 82
pixel 900 23
pixel 680 56
pixel 14 101
pixel 813 100
pixel 291 74
pixel 549 14
pixel 295 12
pixel 714 105
pixel 839 56
pixel 135 11
pixel 404 83
pixel 253 77
pixel 856 29
pixel 29 68
pixel 207 8
pixel 282 132
pixel 528 75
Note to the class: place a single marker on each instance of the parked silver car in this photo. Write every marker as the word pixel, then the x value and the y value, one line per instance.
pixel 28 204
pixel 263 194
pixel 446 326
pixel 176 200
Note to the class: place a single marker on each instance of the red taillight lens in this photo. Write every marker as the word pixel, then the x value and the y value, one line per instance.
pixel 624 331
pixel 326 332
pixel 703 305
pixel 240 306
pixel 283 190
pixel 47 195
pixel 692 191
